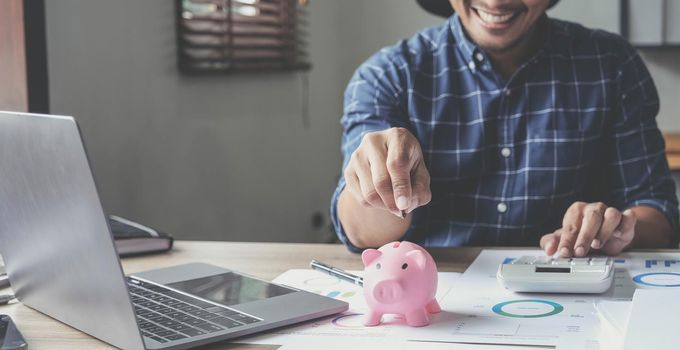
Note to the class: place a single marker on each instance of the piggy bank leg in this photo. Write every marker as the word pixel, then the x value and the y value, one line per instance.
pixel 433 307
pixel 417 318
pixel 372 318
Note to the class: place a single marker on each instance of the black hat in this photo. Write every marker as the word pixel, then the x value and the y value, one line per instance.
pixel 443 7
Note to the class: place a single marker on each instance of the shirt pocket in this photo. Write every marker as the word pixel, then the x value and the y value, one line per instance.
pixel 557 162
pixel 555 167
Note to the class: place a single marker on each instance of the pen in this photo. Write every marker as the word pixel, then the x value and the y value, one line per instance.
pixel 335 272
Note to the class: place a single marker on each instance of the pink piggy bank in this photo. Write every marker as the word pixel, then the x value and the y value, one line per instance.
pixel 400 278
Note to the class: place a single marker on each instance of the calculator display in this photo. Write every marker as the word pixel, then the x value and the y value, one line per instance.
pixel 553 269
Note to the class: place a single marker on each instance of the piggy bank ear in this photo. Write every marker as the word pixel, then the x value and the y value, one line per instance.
pixel 417 257
pixel 369 255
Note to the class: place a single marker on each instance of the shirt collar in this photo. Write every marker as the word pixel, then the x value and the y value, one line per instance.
pixel 471 52
pixel 464 44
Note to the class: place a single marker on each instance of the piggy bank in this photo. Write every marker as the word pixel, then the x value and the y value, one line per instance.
pixel 400 278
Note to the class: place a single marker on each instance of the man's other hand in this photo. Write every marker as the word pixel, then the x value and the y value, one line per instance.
pixel 591 226
pixel 387 172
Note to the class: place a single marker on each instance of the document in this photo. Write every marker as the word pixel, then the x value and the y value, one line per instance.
pixel 653 320
pixel 479 310
pixel 345 329
pixel 608 334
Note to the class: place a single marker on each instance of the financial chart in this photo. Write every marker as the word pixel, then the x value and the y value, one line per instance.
pixel 479 310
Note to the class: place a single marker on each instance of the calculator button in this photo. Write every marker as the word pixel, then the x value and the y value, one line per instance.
pixel 580 261
pixel 562 261
pixel 525 260
pixel 599 261
pixel 542 260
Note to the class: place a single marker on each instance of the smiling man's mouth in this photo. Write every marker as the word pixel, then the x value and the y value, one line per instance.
pixel 495 20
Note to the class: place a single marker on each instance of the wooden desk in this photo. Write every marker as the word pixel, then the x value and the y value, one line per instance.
pixel 673 150
pixel 265 260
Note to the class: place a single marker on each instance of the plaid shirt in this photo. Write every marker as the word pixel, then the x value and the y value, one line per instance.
pixel 507 157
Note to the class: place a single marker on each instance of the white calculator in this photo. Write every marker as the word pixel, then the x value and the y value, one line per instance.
pixel 545 274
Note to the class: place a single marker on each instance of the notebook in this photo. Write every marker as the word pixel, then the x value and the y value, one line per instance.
pixel 132 238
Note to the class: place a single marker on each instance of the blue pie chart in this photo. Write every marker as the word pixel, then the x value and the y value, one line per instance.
pixel 658 279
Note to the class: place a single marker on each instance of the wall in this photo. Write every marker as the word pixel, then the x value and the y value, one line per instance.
pixel 228 157
pixel 368 25
pixel 221 158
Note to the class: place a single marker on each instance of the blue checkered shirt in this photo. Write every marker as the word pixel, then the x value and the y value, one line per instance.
pixel 507 157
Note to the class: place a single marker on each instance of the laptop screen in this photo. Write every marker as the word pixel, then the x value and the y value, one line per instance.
pixel 230 288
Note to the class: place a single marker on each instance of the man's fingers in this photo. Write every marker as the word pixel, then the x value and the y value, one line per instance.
pixel 623 234
pixel 382 182
pixel 571 224
pixel 593 215
pixel 567 241
pixel 381 171
pixel 353 187
pixel 627 226
pixel 612 218
pixel 595 226
pixel 369 193
pixel 421 193
pixel 399 165
pixel 550 242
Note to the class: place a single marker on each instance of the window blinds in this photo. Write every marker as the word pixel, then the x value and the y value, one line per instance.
pixel 241 35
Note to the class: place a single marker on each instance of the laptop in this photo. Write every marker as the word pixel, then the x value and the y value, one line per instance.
pixel 61 259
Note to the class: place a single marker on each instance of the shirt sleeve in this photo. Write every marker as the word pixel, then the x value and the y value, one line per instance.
pixel 373 101
pixel 638 168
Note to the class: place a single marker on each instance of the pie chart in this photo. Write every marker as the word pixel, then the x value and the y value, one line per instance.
pixel 530 308
pixel 658 279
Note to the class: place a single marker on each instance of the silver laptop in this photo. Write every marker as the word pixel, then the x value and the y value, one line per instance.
pixel 61 260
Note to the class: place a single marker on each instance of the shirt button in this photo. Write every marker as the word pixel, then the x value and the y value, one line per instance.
pixel 502 207
pixel 479 57
pixel 508 92
pixel 505 152
pixel 472 65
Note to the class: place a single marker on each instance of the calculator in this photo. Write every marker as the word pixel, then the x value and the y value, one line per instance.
pixel 545 274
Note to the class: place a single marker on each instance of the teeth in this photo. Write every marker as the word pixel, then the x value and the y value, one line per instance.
pixel 491 18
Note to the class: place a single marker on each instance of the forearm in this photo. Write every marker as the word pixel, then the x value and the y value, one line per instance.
pixel 652 229
pixel 369 227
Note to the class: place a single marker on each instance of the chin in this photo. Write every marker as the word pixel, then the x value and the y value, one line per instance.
pixel 496 45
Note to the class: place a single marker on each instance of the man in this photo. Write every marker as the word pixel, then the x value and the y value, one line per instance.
pixel 505 127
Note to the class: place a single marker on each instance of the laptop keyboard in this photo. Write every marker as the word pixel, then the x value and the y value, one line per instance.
pixel 165 315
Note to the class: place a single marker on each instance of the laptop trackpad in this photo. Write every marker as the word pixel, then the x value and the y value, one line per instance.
pixel 214 283
pixel 230 288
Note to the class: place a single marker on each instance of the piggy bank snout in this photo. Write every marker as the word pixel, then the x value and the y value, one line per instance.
pixel 388 291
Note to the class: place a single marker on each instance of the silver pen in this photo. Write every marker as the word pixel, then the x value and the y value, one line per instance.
pixel 336 272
